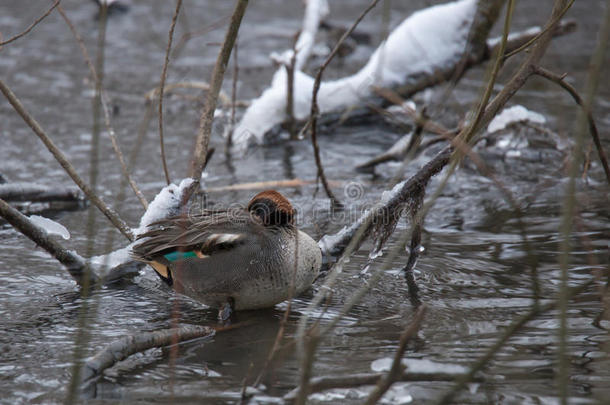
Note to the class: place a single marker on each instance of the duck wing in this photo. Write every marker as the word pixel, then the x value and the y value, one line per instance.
pixel 201 235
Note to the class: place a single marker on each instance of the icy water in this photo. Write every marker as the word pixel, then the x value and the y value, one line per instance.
pixel 474 273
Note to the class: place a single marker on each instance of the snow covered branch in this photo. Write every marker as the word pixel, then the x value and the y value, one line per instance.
pixel 442 42
pixel 75 264
pixel 430 40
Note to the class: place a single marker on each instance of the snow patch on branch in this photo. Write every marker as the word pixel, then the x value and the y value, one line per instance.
pixel 166 204
pixel 516 113
pixel 112 259
pixel 50 227
pixel 429 40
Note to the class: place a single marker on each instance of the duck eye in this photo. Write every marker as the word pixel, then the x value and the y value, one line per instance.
pixel 262 211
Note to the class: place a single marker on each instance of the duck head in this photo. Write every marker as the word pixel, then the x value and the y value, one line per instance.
pixel 272 208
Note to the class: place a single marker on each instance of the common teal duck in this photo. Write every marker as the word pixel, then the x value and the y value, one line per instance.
pixel 245 256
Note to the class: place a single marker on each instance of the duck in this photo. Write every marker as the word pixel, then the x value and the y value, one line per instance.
pixel 237 258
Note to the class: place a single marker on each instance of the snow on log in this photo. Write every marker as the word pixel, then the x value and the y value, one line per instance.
pixel 510 115
pixel 429 40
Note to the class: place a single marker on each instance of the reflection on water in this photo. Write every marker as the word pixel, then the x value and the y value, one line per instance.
pixel 474 273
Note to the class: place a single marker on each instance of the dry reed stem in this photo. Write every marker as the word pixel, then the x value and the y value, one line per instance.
pixel 533 39
pixel 313 117
pixel 569 206
pixel 105 109
pixel 162 87
pixel 396 370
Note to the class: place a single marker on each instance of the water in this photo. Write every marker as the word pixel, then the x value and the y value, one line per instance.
pixel 473 274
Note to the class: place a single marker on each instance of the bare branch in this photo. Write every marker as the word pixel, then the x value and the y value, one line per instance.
pixel 35 23
pixel 39 193
pixel 75 264
pixel 124 347
pixel 63 161
pixel 207 114
pixel 162 87
pixel 396 370
pixel 533 39
pixel 555 78
pixel 104 102
pixel 313 120
pixel 511 331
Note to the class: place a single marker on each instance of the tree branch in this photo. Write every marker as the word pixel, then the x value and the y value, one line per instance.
pixel 75 264
pixel 162 88
pixel 313 120
pixel 104 103
pixel 63 161
pixel 35 23
pixel 555 78
pixel 207 114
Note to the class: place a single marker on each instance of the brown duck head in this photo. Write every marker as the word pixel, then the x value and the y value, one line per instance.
pixel 272 208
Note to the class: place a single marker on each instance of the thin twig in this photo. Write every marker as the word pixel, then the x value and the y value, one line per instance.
pixel 207 114
pixel 315 110
pixel 35 23
pixel 532 40
pixel 555 78
pixel 104 103
pixel 396 370
pixel 467 136
pixel 569 207
pixel 63 161
pixel 511 331
pixel 233 96
pixel 193 84
pixel 162 87
pixel 358 380
pixel 188 35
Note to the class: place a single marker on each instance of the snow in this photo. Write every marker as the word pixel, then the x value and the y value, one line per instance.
pixel 418 366
pixel 492 42
pixel 315 11
pixel 428 40
pixel 165 204
pixel 516 113
pixel 111 259
pixel 50 227
pixel 328 243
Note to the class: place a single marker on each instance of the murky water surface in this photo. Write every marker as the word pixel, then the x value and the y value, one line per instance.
pixel 474 275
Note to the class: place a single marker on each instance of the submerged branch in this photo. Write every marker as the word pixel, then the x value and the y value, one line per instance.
pixel 318 384
pixel 75 264
pixel 124 347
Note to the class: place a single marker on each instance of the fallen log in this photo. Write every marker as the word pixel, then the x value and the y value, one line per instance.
pixel 24 192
